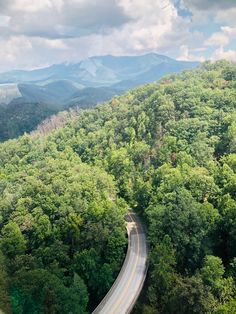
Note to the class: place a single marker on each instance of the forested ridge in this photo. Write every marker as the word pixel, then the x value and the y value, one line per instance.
pixel 19 117
pixel 168 150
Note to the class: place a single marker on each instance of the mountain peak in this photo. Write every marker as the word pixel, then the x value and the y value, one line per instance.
pixel 101 70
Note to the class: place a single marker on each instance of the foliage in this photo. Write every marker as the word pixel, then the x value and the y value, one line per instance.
pixel 170 148
pixel 52 212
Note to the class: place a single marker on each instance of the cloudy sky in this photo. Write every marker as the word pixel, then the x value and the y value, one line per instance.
pixel 36 33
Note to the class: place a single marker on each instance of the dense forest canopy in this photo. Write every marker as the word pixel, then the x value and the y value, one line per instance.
pixel 166 149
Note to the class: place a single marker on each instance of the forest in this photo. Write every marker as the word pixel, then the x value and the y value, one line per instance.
pixel 168 150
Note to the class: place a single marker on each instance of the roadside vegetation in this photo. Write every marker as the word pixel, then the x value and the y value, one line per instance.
pixel 168 150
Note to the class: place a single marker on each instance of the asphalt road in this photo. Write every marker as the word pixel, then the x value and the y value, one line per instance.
pixel 127 287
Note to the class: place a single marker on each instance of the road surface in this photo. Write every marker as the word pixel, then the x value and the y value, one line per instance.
pixel 127 287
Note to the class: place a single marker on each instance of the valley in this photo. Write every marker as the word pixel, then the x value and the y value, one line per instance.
pixel 84 84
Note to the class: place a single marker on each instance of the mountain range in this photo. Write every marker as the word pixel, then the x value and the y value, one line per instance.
pixel 82 84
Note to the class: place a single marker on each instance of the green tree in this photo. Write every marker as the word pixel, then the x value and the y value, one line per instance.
pixel 212 275
pixel 12 242
pixel 162 272
pixel 189 295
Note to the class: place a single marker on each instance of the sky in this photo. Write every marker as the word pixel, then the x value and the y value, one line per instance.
pixel 38 33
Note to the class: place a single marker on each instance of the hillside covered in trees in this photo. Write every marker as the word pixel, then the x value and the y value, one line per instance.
pixel 168 150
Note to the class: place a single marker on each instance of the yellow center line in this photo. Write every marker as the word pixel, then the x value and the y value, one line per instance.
pixel 117 304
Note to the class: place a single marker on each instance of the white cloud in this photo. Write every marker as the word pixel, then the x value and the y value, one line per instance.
pixel 226 16
pixel 217 39
pixel 230 31
pixel 54 43
pixel 155 26
pixel 4 20
pixel 203 5
pixel 14 48
pixel 32 6
pixel 62 18
pixel 220 53
pixel 39 32
pixel 222 11
pixel 222 39
pixel 58 32
pixel 186 55
pixel 214 12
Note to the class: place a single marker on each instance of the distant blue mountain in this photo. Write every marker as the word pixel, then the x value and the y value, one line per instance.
pixel 102 71
pixel 82 84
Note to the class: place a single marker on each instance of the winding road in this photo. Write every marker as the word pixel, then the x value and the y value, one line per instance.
pixel 127 287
